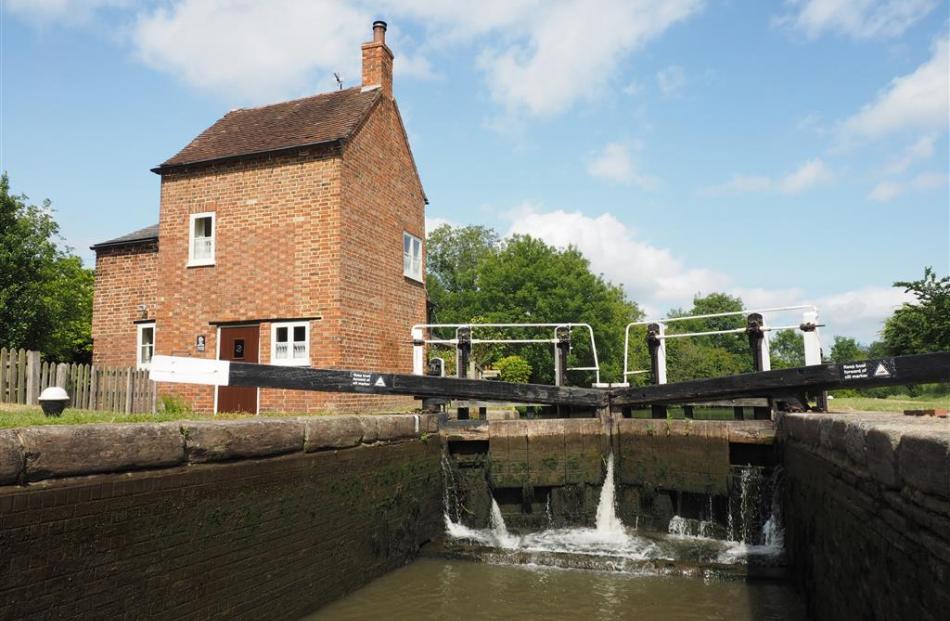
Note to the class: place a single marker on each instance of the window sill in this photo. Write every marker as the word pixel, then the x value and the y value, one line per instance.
pixel 200 263
pixel 413 281
pixel 290 363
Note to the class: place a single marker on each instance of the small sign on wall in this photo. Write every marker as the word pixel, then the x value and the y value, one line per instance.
pixel 200 342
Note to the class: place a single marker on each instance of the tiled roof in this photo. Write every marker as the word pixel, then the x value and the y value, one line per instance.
pixel 309 121
pixel 149 233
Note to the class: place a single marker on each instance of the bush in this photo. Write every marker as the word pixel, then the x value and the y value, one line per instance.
pixel 513 369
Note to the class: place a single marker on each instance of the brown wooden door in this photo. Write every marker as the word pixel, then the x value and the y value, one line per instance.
pixel 239 344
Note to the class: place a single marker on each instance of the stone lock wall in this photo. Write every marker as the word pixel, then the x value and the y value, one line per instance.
pixel 264 519
pixel 867 514
pixel 553 469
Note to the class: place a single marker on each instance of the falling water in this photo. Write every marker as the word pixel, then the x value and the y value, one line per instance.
pixel 498 528
pixel 450 492
pixel 608 524
pixel 608 537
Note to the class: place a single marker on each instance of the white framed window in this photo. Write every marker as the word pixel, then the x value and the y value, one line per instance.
pixel 290 343
pixel 201 233
pixel 144 344
pixel 411 257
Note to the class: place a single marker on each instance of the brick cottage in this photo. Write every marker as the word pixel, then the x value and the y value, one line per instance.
pixel 288 234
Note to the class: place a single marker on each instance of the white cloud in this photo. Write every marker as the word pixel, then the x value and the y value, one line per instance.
pixel 537 57
pixel 255 51
pixel 930 180
pixel 671 80
pixel 808 175
pixel 615 163
pixel 811 173
pixel 565 51
pixel 859 313
pixel 918 100
pixel 649 274
pixel 919 151
pixel 860 19
pixel 885 191
pixel 658 280
pixel 924 182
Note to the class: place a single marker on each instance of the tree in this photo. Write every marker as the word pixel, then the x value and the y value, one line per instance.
pixel 523 280
pixel 846 349
pixel 786 349
pixel 452 258
pixel 707 356
pixel 924 325
pixel 45 292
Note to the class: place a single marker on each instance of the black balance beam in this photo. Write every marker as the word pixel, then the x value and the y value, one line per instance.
pixel 915 369
pixel 366 382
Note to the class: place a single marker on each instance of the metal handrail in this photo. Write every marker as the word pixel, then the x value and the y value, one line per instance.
pixel 472 326
pixel 666 320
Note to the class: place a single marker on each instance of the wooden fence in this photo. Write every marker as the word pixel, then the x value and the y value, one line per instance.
pixel 24 375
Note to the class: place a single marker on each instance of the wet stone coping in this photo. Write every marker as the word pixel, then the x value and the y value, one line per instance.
pixel 32 454
pixel 896 451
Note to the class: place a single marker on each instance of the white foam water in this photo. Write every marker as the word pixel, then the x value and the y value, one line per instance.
pixel 609 537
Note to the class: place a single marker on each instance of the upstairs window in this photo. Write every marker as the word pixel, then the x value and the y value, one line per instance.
pixel 201 239
pixel 290 344
pixel 145 345
pixel 411 257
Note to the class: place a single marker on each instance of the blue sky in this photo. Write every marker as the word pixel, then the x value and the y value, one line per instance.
pixel 783 151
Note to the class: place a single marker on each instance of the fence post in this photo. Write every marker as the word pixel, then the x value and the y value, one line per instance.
pixel 21 377
pixel 93 387
pixel 128 391
pixel 33 364
pixel 3 374
pixel 62 371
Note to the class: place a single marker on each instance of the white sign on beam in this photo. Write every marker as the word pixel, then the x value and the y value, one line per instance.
pixel 182 370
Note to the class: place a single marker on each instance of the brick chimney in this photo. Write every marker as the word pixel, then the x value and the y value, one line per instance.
pixel 378 61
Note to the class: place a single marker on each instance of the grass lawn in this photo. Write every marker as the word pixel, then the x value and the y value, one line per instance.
pixel 897 403
pixel 12 415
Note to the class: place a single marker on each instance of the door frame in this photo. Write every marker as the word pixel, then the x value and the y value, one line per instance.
pixel 217 356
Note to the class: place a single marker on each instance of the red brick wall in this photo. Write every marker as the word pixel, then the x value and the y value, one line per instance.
pixel 277 255
pixel 309 234
pixel 126 276
pixel 382 197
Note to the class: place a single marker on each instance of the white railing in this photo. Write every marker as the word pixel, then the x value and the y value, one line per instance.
pixel 808 327
pixel 419 340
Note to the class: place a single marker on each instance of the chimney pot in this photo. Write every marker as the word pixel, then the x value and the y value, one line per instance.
pixel 379 31
pixel 378 61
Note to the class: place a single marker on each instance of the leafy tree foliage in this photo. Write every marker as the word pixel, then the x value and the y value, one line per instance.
pixel 706 356
pixel 475 277
pixel 924 325
pixel 846 349
pixel 786 349
pixel 45 292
